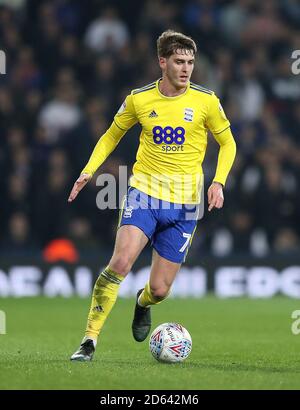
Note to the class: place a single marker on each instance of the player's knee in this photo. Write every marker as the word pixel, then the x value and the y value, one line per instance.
pixel 121 264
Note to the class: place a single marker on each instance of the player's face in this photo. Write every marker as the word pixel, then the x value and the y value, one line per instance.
pixel 178 67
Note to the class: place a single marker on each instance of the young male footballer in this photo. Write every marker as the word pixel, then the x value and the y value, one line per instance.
pixel 175 115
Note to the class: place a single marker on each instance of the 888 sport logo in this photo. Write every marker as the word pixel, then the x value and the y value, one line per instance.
pixel 168 136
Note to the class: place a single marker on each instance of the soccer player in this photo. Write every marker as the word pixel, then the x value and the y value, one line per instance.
pixel 175 115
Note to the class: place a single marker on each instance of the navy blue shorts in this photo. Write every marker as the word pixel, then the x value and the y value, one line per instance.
pixel 170 227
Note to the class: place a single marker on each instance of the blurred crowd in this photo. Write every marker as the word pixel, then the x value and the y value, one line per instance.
pixel 69 65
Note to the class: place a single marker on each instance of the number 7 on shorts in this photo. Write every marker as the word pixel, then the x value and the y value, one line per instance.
pixel 184 246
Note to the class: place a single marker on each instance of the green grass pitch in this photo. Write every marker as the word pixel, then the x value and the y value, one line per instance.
pixel 237 344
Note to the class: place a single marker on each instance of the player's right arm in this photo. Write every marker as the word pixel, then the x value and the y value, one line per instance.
pixel 123 121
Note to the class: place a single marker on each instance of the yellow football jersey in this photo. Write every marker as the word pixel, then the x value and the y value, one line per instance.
pixel 173 139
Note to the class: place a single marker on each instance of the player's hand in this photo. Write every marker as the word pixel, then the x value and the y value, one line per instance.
pixel 215 196
pixel 79 184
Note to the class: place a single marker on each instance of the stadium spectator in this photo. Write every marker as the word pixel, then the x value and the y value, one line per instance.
pixel 19 239
pixel 62 113
pixel 107 33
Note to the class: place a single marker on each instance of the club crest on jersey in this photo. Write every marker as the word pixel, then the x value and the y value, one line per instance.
pixel 128 212
pixel 188 114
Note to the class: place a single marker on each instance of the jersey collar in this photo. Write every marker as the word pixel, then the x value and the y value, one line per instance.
pixel 176 97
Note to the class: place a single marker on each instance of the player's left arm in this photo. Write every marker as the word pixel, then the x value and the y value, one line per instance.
pixel 123 121
pixel 220 128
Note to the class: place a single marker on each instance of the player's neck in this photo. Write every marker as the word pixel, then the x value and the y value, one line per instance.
pixel 168 89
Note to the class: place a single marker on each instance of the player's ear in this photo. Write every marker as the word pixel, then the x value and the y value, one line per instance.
pixel 162 62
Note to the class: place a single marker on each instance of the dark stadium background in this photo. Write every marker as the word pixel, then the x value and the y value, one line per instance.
pixel 69 65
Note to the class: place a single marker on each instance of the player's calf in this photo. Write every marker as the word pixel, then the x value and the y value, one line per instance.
pixel 159 294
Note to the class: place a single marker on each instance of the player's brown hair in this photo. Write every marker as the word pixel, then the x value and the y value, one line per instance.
pixel 170 41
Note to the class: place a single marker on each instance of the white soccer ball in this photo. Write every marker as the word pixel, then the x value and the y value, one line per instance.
pixel 170 343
